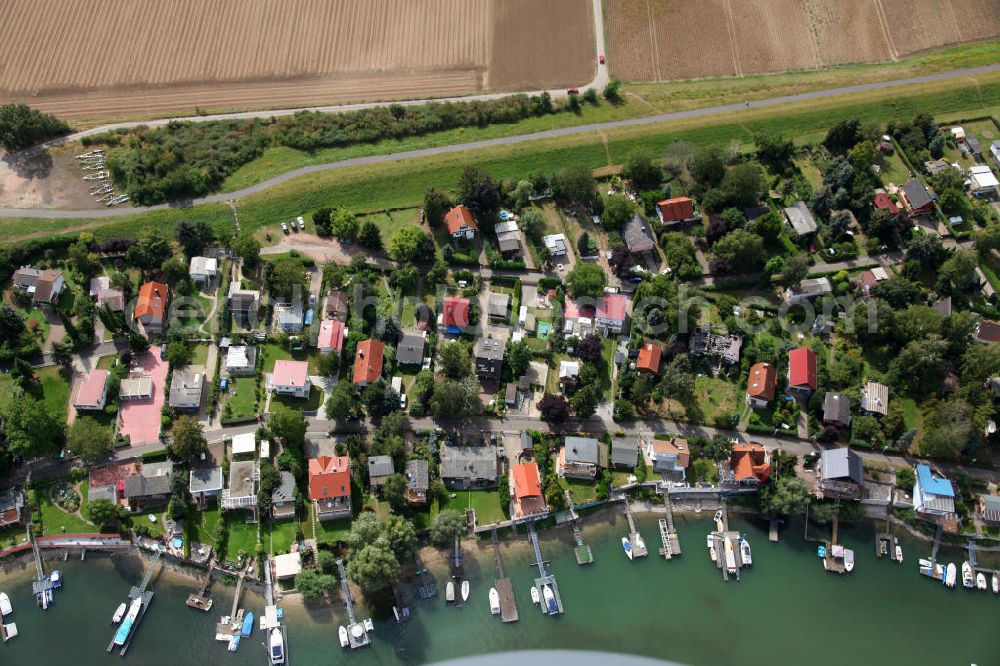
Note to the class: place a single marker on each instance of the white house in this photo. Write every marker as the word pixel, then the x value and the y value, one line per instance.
pixel 808 290
pixel 933 495
pixel 982 181
pixel 203 269
pixel 241 360
pixel 290 378
pixel 555 244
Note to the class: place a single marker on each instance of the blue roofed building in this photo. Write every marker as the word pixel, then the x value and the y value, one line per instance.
pixel 934 499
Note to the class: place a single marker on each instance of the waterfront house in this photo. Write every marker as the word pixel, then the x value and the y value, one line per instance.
pixel 988 507
pixel 244 484
pixel 454 314
pixel 93 393
pixel 915 198
pixel 417 474
pixel 241 360
pixel 469 466
pixel 203 269
pixel 650 355
pixel 748 465
pixel 843 475
pixel 802 371
pixel 638 236
pixel 148 487
pixel 761 385
pixel 283 497
pixel 836 410
pixel 243 304
pixel 875 399
pixel 725 348
pixel 330 487
pixel 624 453
pixel 332 333
pixel 461 223
pixel 288 317
pixel 151 308
pixel 410 350
pixel 379 470
pixel 290 378
pixel 368 359
pixel 934 499
pixel 675 211
pixel 488 358
pixel 801 219
pixel 186 389
pixel 611 314
pixel 579 458
pixel 498 308
pixel 808 290
pixel 43 286
pixel 336 305
pixel 669 457
pixel 203 483
pixel 526 491
pixel 11 507
pixel 287 566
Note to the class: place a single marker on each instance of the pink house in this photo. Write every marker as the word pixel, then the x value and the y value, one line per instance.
pixel 331 336
pixel 290 378
pixel 93 392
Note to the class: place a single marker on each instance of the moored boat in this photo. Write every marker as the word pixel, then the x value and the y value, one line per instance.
pixel 981 581
pixel 730 554
pixel 234 642
pixel 494 601
pixel 968 578
pixel 56 578
pixel 277 647
pixel 342 633
pixel 247 624
pixel 5 607
pixel 126 626
pixel 899 553
pixel 627 546
pixel 8 631
pixel 848 560
pixel 119 613
pixel 996 584
pixel 951 575
pixel 745 553
pixel 465 590
pixel 449 591
pixel 534 595
pixel 550 600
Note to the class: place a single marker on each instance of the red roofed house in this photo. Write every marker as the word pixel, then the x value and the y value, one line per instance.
pixel 675 211
pixel 455 314
pixel 749 465
pixel 368 362
pixel 649 358
pixel 526 491
pixel 884 201
pixel 987 331
pixel 330 486
pixel 93 392
pixel 461 223
pixel 290 378
pixel 611 313
pixel 762 384
pixel 331 336
pixel 151 308
pixel 802 371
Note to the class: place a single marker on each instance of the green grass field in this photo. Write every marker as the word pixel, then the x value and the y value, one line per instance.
pixel 57 521
pixel 242 398
pixel 312 403
pixel 485 502
pixel 50 388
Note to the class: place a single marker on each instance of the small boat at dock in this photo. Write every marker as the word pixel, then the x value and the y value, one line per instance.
pixel 465 590
pixel 234 643
pixel 247 624
pixel 848 560
pixel 996 584
pixel 342 632
pixel 534 595
pixel 56 579
pixel 494 601
pixel 449 591
pixel 730 554
pixel 126 626
pixel 980 581
pixel 745 553
pixel 951 575
pixel 627 546
pixel 968 578
pixel 5 607
pixel 899 553
pixel 277 647
pixel 8 631
pixel 550 600
pixel 119 613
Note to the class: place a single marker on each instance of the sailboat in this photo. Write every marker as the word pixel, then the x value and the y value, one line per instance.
pixel 277 647
pixel 342 632
pixel 449 591
pixel 494 601
pixel 465 590
pixel 627 546
pixel 5 607
pixel 968 578
pixel 745 553
pixel 119 613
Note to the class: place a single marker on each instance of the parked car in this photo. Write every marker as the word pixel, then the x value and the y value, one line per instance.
pixel 295 227
pixel 302 223
pixel 284 228
pixel 573 91
pixel 601 59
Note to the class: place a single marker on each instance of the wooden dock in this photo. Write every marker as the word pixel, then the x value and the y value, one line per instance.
pixel 583 552
pixel 668 535
pixel 508 605
pixel 545 579
pixel 357 632
pixel 772 533
pixel 138 592
pixel 635 539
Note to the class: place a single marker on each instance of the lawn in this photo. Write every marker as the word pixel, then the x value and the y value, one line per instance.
pixel 282 536
pixel 50 388
pixel 42 325
pixel 810 172
pixel 327 531
pixel 106 362
pixel 242 536
pixel 583 491
pixel 57 521
pixel 203 522
pixel 314 402
pixel 620 477
pixel 272 353
pixel 485 502
pixel 242 398
pixel 200 355
pixel 911 414
pixel 715 398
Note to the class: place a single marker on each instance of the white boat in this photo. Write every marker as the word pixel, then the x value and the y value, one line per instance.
pixel 981 581
pixel 5 608
pixel 639 543
pixel 711 547
pixel 534 595
pixel 745 554
pixel 848 560
pixel 277 647
pixel 8 631
pixel 494 601
pixel 119 613
pixel 968 577
pixel 627 546
pixel 899 553
pixel 996 584
pixel 449 591
pixel 342 632
pixel 951 575
pixel 550 600
pixel 730 554
pixel 234 642
pixel 465 590
pixel 126 627
pixel 369 625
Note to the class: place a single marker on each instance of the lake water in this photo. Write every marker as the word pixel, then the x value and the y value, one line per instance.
pixel 786 610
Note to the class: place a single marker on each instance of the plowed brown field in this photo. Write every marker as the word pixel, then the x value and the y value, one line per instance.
pixel 661 40
pixel 133 57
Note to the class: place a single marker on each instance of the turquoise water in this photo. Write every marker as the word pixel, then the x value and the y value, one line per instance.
pixel 787 610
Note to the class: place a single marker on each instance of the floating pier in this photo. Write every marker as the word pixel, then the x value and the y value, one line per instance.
pixel 729 561
pixel 199 600
pixel 584 555
pixel 508 606
pixel 138 592
pixel 668 535
pixel 357 632
pixel 545 580
pixel 635 539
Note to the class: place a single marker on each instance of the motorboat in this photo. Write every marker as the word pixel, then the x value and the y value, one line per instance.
pixel 247 624
pixel 534 595
pixel 980 581
pixel 465 590
pixel 899 553
pixel 234 642
pixel 126 626
pixel 730 554
pixel 550 600
pixel 628 547
pixel 369 625
pixel 56 579
pixel 710 541
pixel 5 607
pixel 951 574
pixel 449 592
pixel 342 632
pixel 119 613
pixel 277 647
pixel 8 631
pixel 848 560
pixel 968 577
pixel 883 548
pixel 745 554
pixel 494 601
pixel 996 584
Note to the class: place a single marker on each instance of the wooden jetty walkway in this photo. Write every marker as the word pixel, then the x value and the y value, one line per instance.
pixel 584 555
pixel 138 592
pixel 772 533
pixel 508 605
pixel 357 632
pixel 635 539
pixel 545 579
pixel 668 534
pixel 199 600
pixel 937 543
pixel 42 585
pixel 427 587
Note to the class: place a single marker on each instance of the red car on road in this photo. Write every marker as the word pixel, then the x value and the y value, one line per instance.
pixel 601 59
pixel 573 91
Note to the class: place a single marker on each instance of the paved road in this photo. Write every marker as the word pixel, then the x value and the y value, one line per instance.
pixel 500 141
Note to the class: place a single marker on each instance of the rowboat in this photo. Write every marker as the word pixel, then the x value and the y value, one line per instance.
pixel 494 601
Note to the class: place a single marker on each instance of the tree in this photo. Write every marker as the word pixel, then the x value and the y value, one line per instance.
pixel 839 225
pixel 373 567
pixel 321 218
pixel 718 448
pixel 409 244
pixel 436 204
pixel 104 513
pixel 897 291
pixel 194 237
pixel 774 150
pixel 843 136
pixel 574 185
pixel 22 126
pixel 312 586
pixel 533 223
pixel 589 348
pixel 370 236
pixel 585 401
pixel 788 495
pixel 344 225
pixel 394 492
pixel 743 184
pixel 341 405
pixel 284 275
pixel 31 429
pixel 479 192
pixel 987 239
pixel 88 439
pixel 612 91
pixel 518 358
pixel 958 272
pixel 62 354
pixel 586 280
pixel 926 249
pixel 454 360
pixel 448 525
pixel 188 439
pixel 794 271
pixel 948 428
pixel 288 425
pixel 328 364
pixel 707 166
pixel 643 172
pixel 554 408
pixel 455 399
pixel 867 429
pixel 179 353
pixel 149 252
pixel 247 248
pixel 742 250
pixel 618 210
pixel 380 400
pixel 521 196
pixel 905 477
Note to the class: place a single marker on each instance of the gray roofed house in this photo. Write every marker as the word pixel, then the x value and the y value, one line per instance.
pixel 624 453
pixel 509 243
pixel 417 481
pixel 989 508
pixel 499 307
pixel 186 388
pixel 488 357
pixel 915 197
pixel 843 474
pixel 109 493
pixel 379 469
pixel 638 236
pixel 136 388
pixel 283 497
pixel 836 410
pixel 972 143
pixel 527 443
pixel 469 466
pixel 205 482
pixel 580 458
pixel 801 218
pixel 150 486
pixel 809 289
pixel 875 399
pixel 12 507
pixel 410 350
